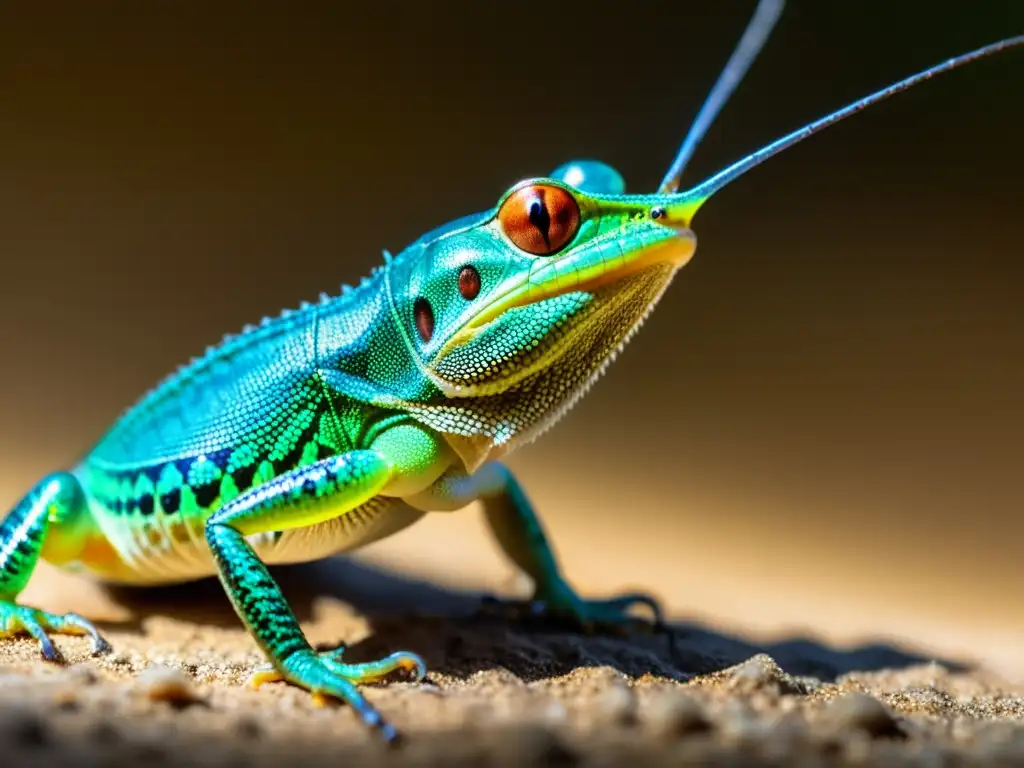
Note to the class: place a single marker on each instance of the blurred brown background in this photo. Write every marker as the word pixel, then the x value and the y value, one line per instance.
pixel 820 428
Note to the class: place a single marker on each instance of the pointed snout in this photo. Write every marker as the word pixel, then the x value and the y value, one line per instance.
pixel 681 248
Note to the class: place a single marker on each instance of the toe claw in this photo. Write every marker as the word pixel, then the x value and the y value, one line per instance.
pixel 329 680
pixel 414 666
pixel 40 624
pixel 587 616
pixel 262 675
pixel 390 734
pixel 49 651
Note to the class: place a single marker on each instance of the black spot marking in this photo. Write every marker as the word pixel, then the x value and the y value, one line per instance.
pixel 171 501
pixel 243 476
pixel 206 493
pixel 146 506
pixel 290 460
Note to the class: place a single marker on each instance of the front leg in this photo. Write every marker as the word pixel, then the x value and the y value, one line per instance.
pixel 521 536
pixel 303 497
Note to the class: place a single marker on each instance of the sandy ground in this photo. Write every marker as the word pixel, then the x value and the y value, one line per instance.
pixel 498 692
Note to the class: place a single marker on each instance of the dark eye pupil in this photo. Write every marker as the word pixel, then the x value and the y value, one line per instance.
pixel 469 283
pixel 424 316
pixel 541 219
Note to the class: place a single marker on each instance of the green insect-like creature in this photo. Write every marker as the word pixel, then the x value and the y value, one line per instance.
pixel 342 422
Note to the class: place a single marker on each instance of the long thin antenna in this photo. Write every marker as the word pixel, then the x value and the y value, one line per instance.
pixel 753 40
pixel 705 189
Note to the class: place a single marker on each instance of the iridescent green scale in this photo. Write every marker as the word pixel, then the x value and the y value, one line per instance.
pixel 248 411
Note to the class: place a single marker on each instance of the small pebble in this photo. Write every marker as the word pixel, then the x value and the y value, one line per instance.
pixel 617 703
pixel 738 721
pixel 554 713
pixel 757 671
pixel 677 714
pixel 162 683
pixel 860 712
pixel 762 673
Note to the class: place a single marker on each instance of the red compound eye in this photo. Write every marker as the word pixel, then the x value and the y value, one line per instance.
pixel 469 283
pixel 424 316
pixel 540 219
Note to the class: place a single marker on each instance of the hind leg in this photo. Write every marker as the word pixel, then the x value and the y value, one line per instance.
pixel 55 501
pixel 519 532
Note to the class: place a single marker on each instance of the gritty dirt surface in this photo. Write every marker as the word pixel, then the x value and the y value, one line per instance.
pixel 498 692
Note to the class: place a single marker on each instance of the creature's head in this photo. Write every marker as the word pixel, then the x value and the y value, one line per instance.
pixel 556 274
pixel 512 313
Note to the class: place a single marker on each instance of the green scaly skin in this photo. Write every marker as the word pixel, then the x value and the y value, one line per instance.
pixel 344 421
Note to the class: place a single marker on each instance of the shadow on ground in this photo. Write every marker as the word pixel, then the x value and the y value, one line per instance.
pixel 443 625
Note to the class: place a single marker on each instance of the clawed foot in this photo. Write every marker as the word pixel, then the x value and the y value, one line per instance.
pixel 326 677
pixel 359 674
pixel 561 607
pixel 20 618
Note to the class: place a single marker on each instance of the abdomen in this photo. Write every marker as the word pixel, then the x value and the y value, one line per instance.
pixel 157 548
